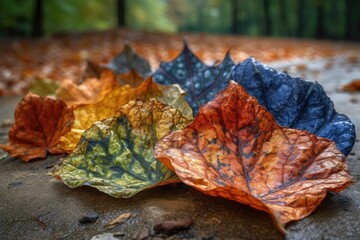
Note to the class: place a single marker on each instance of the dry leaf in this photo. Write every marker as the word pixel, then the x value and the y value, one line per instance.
pixel 296 103
pixel 235 149
pixel 39 123
pixel 132 78
pixel 201 82
pixel 92 70
pixel 86 115
pixel 120 219
pixel 353 86
pixel 90 91
pixel 116 155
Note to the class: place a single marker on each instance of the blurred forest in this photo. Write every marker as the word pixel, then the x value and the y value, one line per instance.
pixel 321 19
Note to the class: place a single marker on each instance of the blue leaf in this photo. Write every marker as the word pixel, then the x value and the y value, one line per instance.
pixel 296 103
pixel 201 82
pixel 127 60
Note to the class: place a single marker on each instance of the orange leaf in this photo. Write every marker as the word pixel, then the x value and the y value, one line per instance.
pixel 132 78
pixel 86 115
pixel 39 123
pixel 235 149
pixel 353 86
pixel 91 90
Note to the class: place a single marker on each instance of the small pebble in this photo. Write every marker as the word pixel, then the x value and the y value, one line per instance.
pixel 142 234
pixel 14 184
pixel 172 226
pixel 89 217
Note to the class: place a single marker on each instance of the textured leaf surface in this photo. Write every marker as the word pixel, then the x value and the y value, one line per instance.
pixel 116 155
pixel 128 60
pixel 89 91
pixel 86 115
pixel 235 149
pixel 201 82
pixel 39 123
pixel 296 103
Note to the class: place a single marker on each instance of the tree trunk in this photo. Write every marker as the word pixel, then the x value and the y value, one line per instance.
pixel 37 22
pixel 120 9
pixel 320 20
pixel 267 17
pixel 234 23
pixel 300 18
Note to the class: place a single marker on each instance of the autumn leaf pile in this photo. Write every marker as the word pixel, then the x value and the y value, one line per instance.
pixel 259 137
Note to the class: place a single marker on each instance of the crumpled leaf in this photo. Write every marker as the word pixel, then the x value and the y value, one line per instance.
pixel 43 87
pixel 116 155
pixel 39 123
pixel 201 82
pixel 296 103
pixel 90 91
pixel 128 60
pixel 235 149
pixel 86 115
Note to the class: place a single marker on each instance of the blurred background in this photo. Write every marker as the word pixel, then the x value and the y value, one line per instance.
pixel 313 19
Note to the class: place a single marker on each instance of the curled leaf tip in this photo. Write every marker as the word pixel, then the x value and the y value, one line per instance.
pixel 235 149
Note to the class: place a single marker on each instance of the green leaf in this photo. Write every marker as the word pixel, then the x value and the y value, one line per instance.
pixel 116 155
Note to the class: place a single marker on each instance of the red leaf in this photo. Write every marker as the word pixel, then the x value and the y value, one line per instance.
pixel 39 123
pixel 235 149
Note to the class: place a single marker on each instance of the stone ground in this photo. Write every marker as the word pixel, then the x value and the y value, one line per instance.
pixel 33 205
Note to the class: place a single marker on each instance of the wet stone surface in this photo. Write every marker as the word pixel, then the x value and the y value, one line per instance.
pixel 34 205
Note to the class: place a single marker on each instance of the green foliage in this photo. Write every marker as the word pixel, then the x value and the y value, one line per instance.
pixel 15 17
pixel 79 15
pixel 335 19
pixel 149 15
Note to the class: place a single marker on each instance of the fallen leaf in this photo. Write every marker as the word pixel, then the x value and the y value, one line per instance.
pixel 39 123
pixel 235 149
pixel 43 87
pixel 128 60
pixel 120 219
pixel 201 82
pixel 90 91
pixel 92 70
pixel 296 103
pixel 116 155
pixel 86 115
pixel 353 86
pixel 132 78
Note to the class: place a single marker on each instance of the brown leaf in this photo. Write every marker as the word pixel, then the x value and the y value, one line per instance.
pixel 132 78
pixel 39 123
pixel 120 219
pixel 353 86
pixel 92 90
pixel 235 149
